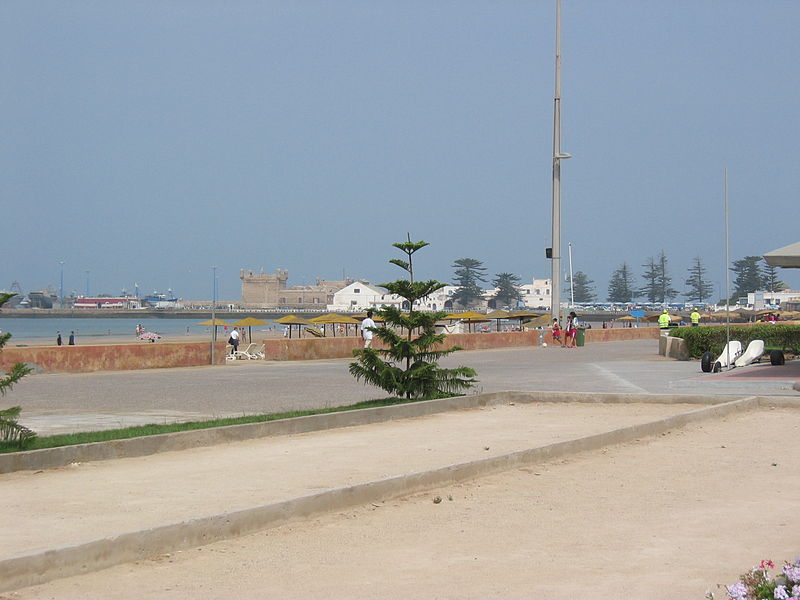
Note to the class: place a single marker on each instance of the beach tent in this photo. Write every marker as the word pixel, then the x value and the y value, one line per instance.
pixel 249 322
pixel 787 257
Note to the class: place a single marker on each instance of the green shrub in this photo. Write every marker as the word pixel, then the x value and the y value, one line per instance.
pixel 712 339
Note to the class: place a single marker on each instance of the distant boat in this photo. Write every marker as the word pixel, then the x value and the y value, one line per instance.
pixel 159 300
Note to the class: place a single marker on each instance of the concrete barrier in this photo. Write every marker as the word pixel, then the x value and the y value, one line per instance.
pixel 42 566
pixel 673 347
pixel 113 357
pixel 51 458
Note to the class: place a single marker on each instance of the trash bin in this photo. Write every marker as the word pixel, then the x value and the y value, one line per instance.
pixel 580 337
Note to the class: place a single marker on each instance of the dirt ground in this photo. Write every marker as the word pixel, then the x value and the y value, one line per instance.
pixel 660 518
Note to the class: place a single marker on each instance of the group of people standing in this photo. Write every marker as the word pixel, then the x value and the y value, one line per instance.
pixel 570 331
pixel 71 342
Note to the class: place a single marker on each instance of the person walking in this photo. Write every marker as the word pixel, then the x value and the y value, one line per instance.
pixel 663 320
pixel 556 330
pixel 58 338
pixel 571 330
pixel 71 338
pixel 366 332
pixel 695 317
pixel 234 340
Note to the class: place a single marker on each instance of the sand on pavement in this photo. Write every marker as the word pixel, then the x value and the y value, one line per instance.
pixel 660 518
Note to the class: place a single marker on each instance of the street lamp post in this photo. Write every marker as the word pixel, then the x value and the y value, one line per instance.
pixel 213 310
pixel 558 156
pixel 61 286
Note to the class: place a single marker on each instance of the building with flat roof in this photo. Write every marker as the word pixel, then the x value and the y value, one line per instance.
pixel 269 290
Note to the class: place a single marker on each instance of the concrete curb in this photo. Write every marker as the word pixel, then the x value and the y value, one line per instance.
pixel 40 567
pixel 51 458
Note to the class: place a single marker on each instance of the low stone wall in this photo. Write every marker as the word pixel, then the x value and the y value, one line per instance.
pixel 330 347
pixel 113 357
pixel 622 333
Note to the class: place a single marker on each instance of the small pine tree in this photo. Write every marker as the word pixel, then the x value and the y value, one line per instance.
pixel 11 432
pixel 408 366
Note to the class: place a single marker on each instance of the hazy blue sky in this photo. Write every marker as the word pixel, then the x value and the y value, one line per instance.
pixel 146 141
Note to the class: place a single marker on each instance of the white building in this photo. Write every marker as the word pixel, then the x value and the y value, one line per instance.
pixel 759 300
pixel 360 296
pixel 536 295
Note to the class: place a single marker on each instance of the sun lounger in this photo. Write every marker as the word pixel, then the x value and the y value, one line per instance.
pixel 315 332
pixel 248 353
pixel 732 350
pixel 753 353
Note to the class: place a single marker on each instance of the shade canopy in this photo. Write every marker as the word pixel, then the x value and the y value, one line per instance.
pixel 538 322
pixel 523 314
pixel 468 315
pixel 498 314
pixel 293 320
pixel 627 318
pixel 249 322
pixel 215 322
pixel 654 318
pixel 787 257
pixel 336 318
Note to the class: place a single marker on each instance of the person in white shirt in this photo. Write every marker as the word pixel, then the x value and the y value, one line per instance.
pixel 366 332
pixel 234 341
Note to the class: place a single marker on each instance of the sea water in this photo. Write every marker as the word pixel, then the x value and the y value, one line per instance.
pixel 96 329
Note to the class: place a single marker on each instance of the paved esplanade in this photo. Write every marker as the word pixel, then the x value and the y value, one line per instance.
pixel 78 402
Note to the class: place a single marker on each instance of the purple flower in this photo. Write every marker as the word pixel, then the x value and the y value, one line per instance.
pixel 780 593
pixel 792 573
pixel 737 591
pixel 796 591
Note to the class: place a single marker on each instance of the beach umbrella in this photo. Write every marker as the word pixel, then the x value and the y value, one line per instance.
pixel 538 322
pixel 346 321
pixel 722 315
pixel 468 316
pixel 523 314
pixel 627 318
pixel 498 314
pixel 216 323
pixel 291 320
pixel 249 322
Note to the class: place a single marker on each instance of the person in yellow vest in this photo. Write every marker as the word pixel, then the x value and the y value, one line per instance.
pixel 663 319
pixel 695 317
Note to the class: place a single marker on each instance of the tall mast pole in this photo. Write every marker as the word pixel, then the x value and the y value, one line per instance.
pixel 555 270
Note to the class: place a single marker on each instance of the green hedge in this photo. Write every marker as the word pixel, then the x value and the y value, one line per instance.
pixel 702 339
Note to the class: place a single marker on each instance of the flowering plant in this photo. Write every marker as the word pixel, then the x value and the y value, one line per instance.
pixel 757 584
